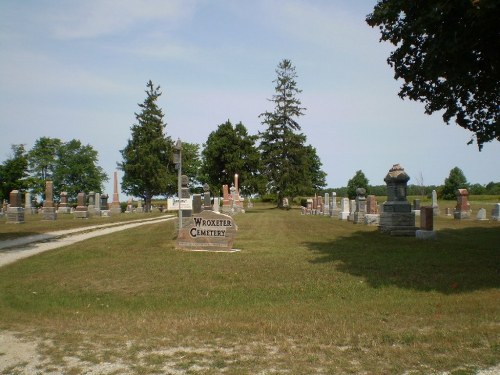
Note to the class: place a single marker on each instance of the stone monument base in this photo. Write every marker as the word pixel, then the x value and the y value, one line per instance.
pixel 358 218
pixel 115 211
pixel 343 215
pixel 49 213
pixel 459 215
pixel 372 219
pixel 64 210
pixel 398 223
pixel 425 234
pixel 15 215
pixel 81 214
pixel 105 213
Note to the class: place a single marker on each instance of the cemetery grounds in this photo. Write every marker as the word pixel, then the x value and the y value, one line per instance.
pixel 304 295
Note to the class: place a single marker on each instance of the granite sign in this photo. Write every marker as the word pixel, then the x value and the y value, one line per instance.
pixel 208 230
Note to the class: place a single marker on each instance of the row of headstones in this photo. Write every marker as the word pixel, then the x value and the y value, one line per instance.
pixel 396 215
pixel 15 211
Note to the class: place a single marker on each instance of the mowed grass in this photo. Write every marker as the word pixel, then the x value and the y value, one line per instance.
pixel 306 294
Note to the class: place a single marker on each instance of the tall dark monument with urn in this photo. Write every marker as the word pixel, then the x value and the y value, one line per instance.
pixel 397 218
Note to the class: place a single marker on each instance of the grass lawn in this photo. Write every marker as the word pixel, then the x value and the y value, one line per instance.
pixel 306 294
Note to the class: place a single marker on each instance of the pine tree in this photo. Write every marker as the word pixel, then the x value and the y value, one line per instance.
pixel 147 158
pixel 286 159
pixel 359 180
pixel 456 180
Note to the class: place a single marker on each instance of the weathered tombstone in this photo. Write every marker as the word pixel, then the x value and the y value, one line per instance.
pixel 81 211
pixel 185 194
pixel 360 210
pixel 327 209
pixel 481 215
pixel 435 206
pixel 426 231
pixel 49 211
pixel 416 207
pixel 103 205
pixel 197 207
pixel 209 231
pixel 397 219
pixel 115 204
pixel 129 205
pixel 344 209
pixel 310 203
pixel 97 203
pixel 372 217
pixel 15 211
pixel 216 207
pixel 462 209
pixel 139 208
pixel 352 209
pixel 225 195
pixel 495 212
pixel 63 205
pixel 91 206
pixel 448 211
pixel 335 210
pixel 207 204
pixel 27 203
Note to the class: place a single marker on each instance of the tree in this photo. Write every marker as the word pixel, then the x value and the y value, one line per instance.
pixel 447 56
pixel 42 159
pixel 230 150
pixel 147 158
pixel 13 172
pixel 456 180
pixel 191 163
pixel 358 181
pixel 76 170
pixel 285 158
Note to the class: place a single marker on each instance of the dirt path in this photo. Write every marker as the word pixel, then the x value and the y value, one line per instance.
pixel 23 247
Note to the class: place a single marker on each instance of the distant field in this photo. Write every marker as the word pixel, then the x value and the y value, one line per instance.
pixel 305 295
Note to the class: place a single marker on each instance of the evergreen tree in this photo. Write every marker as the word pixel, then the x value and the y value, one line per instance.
pixel 358 181
pixel 13 172
pixel 228 151
pixel 147 158
pixel 456 180
pixel 191 163
pixel 285 158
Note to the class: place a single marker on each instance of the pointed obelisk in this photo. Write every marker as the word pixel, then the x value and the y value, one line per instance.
pixel 115 204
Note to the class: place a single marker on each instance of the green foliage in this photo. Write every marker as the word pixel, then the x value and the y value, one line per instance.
pixel 456 180
pixel 291 168
pixel 147 158
pixel 13 172
pixel 76 170
pixel 228 151
pixel 43 163
pixel 358 181
pixel 447 56
pixel 191 163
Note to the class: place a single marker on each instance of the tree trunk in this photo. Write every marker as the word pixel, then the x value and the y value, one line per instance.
pixel 147 204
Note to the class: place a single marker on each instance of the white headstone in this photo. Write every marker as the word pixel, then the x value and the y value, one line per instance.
pixel 344 209
pixel 435 206
pixel 326 209
pixel 495 212
pixel 481 214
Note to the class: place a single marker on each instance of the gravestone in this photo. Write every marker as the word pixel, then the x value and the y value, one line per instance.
pixel 49 210
pixel 81 211
pixel 129 206
pixel 344 209
pixel 197 206
pixel 216 207
pixel 91 206
pixel 327 210
pixel 15 212
pixel 481 215
pixel 139 208
pixel 207 204
pixel 426 231
pixel 448 211
pixel 435 206
pixel 225 196
pixel 462 209
pixel 335 210
pixel 372 217
pixel 416 207
pixel 63 205
pixel 115 208
pixel 352 209
pixel 310 203
pixel 185 194
pixel 360 210
pixel 495 212
pixel 397 218
pixel 27 203
pixel 97 202
pixel 209 231
pixel 104 206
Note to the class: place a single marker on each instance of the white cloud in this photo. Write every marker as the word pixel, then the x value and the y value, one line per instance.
pixel 94 18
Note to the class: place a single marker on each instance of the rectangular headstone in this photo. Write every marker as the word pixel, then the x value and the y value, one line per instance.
pixel 197 207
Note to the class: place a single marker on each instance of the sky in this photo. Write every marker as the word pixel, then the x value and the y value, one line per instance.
pixel 74 69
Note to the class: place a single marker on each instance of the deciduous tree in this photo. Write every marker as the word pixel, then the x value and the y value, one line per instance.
pixel 447 55
pixel 359 180
pixel 13 172
pixel 456 180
